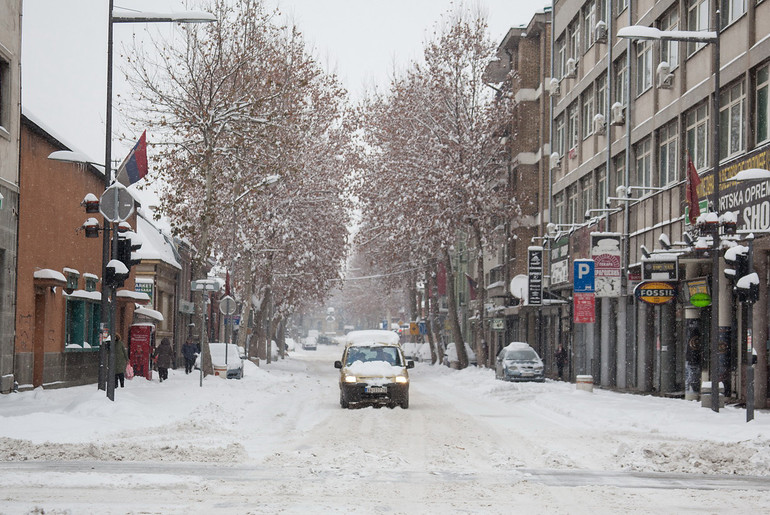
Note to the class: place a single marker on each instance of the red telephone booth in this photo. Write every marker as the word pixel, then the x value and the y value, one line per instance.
pixel 141 342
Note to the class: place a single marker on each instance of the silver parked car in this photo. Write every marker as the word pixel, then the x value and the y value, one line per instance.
pixel 517 361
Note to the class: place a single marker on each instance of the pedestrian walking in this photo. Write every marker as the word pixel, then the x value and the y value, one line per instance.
pixel 189 351
pixel 692 358
pixel 164 358
pixel 121 358
pixel 561 360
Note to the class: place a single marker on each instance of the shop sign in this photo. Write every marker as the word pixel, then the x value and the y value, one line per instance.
pixel 560 260
pixel 498 324
pixel 605 251
pixel 698 292
pixel 535 272
pixel 654 292
pixel 584 308
pixel 660 268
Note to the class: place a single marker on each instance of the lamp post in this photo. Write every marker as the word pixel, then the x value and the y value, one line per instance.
pixel 637 32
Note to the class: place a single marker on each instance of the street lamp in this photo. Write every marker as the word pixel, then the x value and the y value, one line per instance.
pixel 637 32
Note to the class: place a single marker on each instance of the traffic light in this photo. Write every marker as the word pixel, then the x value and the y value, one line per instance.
pixel 746 282
pixel 116 274
pixel 128 242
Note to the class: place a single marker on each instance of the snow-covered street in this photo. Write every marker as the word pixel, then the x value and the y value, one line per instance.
pixel 278 441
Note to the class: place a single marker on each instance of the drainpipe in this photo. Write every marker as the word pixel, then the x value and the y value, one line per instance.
pixel 626 257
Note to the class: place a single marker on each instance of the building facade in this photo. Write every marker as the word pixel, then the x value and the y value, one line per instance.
pixel 10 115
pixel 627 118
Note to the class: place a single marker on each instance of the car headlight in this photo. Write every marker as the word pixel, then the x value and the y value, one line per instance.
pixel 402 379
pixel 350 379
pixel 538 368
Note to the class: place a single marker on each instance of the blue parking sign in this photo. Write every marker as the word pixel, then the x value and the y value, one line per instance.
pixel 583 276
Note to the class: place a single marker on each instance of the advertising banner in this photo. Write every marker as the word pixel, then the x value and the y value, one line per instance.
pixel 535 273
pixel 605 251
pixel 584 308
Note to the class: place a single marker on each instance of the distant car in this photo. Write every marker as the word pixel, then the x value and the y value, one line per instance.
pixel 235 357
pixel 518 361
pixel 310 343
pixel 374 373
pixel 450 355
pixel 324 339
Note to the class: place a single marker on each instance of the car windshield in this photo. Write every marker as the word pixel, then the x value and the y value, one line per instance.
pixel 521 355
pixel 373 353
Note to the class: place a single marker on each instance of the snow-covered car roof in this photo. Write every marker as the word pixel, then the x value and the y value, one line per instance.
pixel 371 336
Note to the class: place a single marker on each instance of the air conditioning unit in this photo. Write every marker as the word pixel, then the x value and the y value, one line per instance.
pixel 599 123
pixel 553 87
pixel 617 114
pixel 554 160
pixel 600 32
pixel 571 68
pixel 664 75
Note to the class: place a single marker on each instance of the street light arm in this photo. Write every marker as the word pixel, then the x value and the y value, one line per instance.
pixel 121 16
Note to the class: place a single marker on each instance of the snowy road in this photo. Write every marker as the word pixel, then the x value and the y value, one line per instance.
pixel 278 441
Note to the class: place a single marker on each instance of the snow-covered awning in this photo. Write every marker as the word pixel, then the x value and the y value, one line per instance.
pixel 85 295
pixel 149 313
pixel 137 296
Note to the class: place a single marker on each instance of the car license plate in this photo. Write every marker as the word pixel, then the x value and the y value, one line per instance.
pixel 376 389
pixel 527 374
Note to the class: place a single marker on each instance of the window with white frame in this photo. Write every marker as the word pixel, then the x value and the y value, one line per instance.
pixel 586 194
pixel 621 6
pixel 588 112
pixel 558 208
pixel 697 134
pixel 669 50
pixel 561 58
pixel 667 154
pixel 573 129
pixel 619 172
pixel 573 206
pixel 621 79
pixel 601 95
pixel 762 115
pixel 558 136
pixel 573 31
pixel 601 185
pixel 731 10
pixel 698 18
pixel 589 23
pixel 5 93
pixel 643 66
pixel 732 109
pixel 643 151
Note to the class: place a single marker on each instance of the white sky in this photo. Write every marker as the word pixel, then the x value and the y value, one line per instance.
pixel 64 51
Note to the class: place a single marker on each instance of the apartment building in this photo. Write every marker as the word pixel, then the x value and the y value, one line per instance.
pixel 627 116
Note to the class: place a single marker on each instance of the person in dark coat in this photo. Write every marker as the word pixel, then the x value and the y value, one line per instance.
pixel 561 360
pixel 121 358
pixel 189 350
pixel 164 358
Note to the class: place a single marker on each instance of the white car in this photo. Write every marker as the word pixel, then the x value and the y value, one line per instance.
pixel 310 343
pixel 235 357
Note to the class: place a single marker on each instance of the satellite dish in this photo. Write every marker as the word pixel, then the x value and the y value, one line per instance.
pixel 519 286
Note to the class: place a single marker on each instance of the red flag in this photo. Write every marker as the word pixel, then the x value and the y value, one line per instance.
pixel 472 286
pixel 692 190
pixel 134 166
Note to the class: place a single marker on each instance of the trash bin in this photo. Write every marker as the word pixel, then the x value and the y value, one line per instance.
pixel 585 383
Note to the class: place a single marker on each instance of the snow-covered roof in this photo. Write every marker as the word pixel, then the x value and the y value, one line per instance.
pixel 156 244
pixel 149 313
pixel 47 273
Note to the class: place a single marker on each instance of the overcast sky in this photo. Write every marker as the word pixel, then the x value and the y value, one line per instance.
pixel 64 51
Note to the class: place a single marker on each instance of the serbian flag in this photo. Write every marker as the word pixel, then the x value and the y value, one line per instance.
pixel 134 166
pixel 692 190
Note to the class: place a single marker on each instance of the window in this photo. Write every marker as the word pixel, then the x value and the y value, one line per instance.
pixel 643 66
pixel 572 205
pixel 588 112
pixel 669 50
pixel 601 95
pixel 574 38
pixel 731 117
pixel 697 19
pixel 5 93
pixel 82 324
pixel 558 138
pixel 601 185
pixel 667 154
pixel 573 130
pixel 558 208
pixel 621 6
pixel 561 58
pixel 621 80
pixel 732 10
pixel 644 163
pixel 589 24
pixel 697 135
pixel 586 194
pixel 619 176
pixel 763 106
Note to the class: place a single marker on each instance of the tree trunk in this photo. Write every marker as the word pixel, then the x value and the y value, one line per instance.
pixel 429 305
pixel 462 356
pixel 481 291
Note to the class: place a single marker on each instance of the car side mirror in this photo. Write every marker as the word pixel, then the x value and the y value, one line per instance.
pixel 338 364
pixel 410 364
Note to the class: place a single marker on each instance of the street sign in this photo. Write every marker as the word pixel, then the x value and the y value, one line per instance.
pixel 116 204
pixel 227 305
pixel 204 285
pixel 583 276
pixel 584 308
